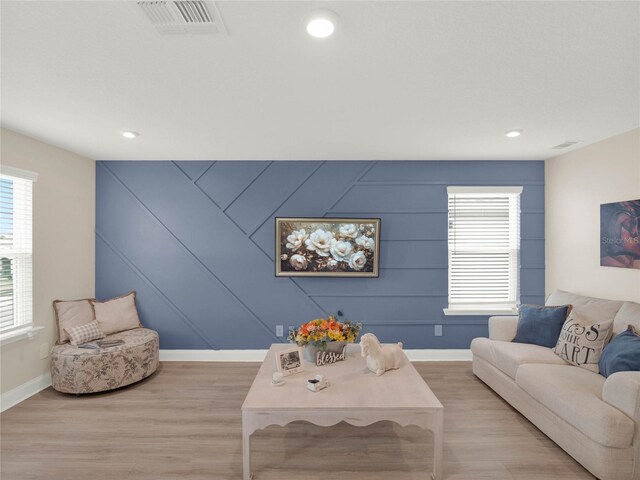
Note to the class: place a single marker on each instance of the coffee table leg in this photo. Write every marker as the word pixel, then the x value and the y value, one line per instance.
pixel 246 449
pixel 438 441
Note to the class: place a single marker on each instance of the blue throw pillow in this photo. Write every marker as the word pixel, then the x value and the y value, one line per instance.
pixel 541 325
pixel 622 354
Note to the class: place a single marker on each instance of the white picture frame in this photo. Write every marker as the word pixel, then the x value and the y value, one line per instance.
pixel 289 361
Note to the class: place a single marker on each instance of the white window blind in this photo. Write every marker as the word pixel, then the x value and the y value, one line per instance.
pixel 484 247
pixel 16 252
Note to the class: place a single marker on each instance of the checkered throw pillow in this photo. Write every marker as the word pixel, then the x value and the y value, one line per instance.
pixel 85 333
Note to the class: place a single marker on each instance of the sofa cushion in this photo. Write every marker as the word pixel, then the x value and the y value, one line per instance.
pixel 71 313
pixel 593 309
pixel 84 333
pixel 629 314
pixel 508 356
pixel 622 354
pixel 581 342
pixel 118 314
pixel 575 395
pixel 541 325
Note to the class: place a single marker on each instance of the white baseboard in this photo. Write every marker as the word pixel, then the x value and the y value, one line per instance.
pixel 417 355
pixel 212 355
pixel 439 355
pixel 24 391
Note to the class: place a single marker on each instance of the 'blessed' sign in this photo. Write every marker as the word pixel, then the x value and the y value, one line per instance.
pixel 326 358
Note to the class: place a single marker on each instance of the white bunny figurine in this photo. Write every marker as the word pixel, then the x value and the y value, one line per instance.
pixel 380 358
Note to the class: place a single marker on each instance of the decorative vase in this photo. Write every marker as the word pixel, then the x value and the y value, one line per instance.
pixel 310 351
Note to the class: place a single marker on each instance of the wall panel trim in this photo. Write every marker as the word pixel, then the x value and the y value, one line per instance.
pixel 203 233
pixel 407 211
pixel 155 289
pixel 465 183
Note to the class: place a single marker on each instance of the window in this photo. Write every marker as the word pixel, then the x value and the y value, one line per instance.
pixel 16 257
pixel 484 249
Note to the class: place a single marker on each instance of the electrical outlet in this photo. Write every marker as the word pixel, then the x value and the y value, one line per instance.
pixel 437 330
pixel 279 331
pixel 44 351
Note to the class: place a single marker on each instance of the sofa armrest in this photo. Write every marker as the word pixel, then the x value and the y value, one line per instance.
pixel 503 328
pixel 622 390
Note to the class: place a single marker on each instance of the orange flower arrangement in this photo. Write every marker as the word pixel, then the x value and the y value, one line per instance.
pixel 321 331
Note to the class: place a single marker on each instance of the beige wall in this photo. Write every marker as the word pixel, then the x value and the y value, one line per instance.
pixel 63 244
pixel 576 184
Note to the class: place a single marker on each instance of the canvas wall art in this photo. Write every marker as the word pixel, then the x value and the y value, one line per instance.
pixel 619 237
pixel 327 247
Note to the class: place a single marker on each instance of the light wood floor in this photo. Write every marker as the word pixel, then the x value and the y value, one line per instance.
pixel 185 423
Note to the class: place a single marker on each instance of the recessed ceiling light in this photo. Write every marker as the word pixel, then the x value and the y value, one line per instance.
pixel 513 133
pixel 130 134
pixel 321 23
pixel 320 27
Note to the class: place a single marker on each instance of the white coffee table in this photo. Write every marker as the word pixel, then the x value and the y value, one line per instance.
pixel 356 396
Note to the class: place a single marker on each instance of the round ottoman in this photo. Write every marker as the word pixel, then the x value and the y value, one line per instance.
pixel 81 370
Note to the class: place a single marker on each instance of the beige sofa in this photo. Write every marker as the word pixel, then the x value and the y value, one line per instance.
pixel 594 419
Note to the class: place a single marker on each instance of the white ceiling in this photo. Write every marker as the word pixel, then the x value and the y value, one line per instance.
pixel 398 80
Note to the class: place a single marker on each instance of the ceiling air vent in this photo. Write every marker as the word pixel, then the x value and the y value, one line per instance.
pixel 183 16
pixel 568 143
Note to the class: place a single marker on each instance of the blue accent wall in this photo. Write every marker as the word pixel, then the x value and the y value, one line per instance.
pixel 196 241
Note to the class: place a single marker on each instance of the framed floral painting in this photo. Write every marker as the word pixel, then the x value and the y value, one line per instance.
pixel 327 247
